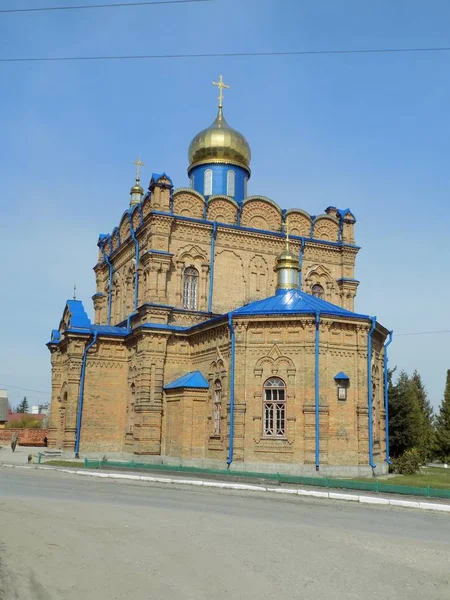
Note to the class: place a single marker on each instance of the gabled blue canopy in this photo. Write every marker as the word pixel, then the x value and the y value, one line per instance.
pixel 191 380
pixel 295 302
pixel 342 376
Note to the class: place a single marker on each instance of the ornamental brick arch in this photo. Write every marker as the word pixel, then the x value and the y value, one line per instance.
pixel 318 275
pixel 299 222
pixel 124 228
pixel 326 228
pixel 260 212
pixel 222 209
pixel 188 203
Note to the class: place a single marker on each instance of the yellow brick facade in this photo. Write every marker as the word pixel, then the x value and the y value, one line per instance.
pixel 139 350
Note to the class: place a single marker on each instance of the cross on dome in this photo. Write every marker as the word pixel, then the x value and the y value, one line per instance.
pixel 222 86
pixel 138 164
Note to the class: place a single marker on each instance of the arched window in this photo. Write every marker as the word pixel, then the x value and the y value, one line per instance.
pixel 275 407
pixel 208 182
pixel 192 181
pixel 317 290
pixel 245 187
pixel 217 406
pixel 231 183
pixel 190 288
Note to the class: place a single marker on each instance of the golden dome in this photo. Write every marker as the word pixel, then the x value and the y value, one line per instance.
pixel 219 143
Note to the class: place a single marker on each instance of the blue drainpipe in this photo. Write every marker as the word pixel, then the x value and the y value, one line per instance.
pixel 136 272
pixel 316 373
pixel 230 450
pixel 300 260
pixel 369 389
pixel 211 273
pixel 386 396
pixel 81 395
pixel 105 256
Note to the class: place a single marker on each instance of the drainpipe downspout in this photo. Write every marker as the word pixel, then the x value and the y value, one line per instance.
pixel 81 395
pixel 386 396
pixel 230 450
pixel 300 260
pixel 211 272
pixel 317 396
pixel 369 391
pixel 136 267
pixel 105 256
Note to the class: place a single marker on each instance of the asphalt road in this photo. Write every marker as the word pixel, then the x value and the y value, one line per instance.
pixel 66 537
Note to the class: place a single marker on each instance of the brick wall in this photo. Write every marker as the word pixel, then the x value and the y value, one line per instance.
pixel 27 437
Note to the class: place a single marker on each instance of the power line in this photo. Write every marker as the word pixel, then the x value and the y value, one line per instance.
pixel 6 385
pixel 226 54
pixel 424 332
pixel 88 6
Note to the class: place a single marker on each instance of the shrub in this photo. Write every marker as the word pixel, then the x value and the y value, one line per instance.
pixel 408 463
pixel 26 422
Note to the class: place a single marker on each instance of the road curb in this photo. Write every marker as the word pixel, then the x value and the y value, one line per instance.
pixel 380 501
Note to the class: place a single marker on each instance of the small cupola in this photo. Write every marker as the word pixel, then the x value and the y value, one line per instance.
pixel 137 191
pixel 287 268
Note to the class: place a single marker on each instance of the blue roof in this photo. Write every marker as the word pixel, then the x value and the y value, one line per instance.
pixel 191 380
pixel 342 375
pixel 157 176
pixel 78 316
pixel 295 302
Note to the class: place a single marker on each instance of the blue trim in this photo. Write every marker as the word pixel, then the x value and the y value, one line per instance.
pixel 300 260
pixel 254 230
pixel 158 252
pixel 211 272
pixel 348 279
pixel 386 397
pixel 230 449
pixel 369 389
pixel 136 266
pixel 317 396
pixel 81 395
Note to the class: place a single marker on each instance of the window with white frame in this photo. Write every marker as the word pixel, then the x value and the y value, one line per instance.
pixel 208 182
pixel 217 406
pixel 275 408
pixel 192 181
pixel 231 183
pixel 245 186
pixel 317 290
pixel 190 288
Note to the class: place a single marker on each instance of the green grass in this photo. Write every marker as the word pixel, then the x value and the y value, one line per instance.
pixel 64 463
pixel 428 477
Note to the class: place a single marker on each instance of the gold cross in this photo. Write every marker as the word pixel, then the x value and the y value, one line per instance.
pixel 138 164
pixel 222 86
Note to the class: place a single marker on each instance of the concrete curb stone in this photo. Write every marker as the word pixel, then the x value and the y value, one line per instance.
pixel 247 487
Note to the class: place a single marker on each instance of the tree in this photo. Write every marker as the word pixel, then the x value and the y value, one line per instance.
pixel 405 417
pixel 426 442
pixel 23 406
pixel 442 441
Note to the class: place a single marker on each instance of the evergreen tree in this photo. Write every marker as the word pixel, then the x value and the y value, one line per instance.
pixel 426 442
pixel 23 406
pixel 405 417
pixel 442 443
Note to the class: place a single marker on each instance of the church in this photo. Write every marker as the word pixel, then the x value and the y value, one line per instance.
pixel 224 333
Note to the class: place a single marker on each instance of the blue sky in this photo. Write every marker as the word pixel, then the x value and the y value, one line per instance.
pixel 366 131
